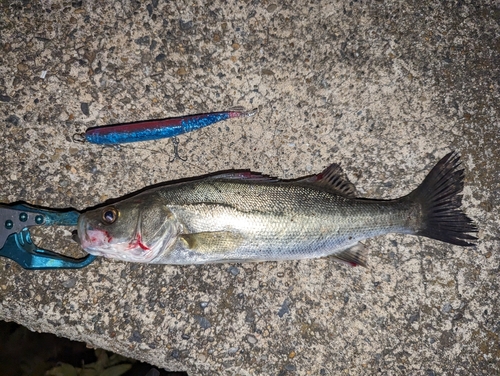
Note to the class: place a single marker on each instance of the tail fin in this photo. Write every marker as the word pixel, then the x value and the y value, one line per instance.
pixel 440 200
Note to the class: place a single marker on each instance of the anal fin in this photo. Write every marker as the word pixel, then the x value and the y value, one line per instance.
pixel 354 256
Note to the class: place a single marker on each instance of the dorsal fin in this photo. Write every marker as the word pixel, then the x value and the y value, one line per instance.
pixel 333 178
pixel 244 175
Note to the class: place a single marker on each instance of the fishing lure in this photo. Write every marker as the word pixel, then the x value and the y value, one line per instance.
pixel 150 130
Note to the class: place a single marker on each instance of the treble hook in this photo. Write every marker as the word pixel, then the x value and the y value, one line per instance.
pixel 79 137
pixel 176 141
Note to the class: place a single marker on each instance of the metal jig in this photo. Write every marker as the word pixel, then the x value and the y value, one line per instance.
pixel 150 130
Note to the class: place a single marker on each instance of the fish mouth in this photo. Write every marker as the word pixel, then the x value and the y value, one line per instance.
pixel 99 242
pixel 93 241
pixel 80 234
pixel 84 244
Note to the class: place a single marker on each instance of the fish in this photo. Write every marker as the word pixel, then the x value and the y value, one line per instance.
pixel 241 216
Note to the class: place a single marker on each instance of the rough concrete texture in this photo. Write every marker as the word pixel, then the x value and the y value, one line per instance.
pixel 385 88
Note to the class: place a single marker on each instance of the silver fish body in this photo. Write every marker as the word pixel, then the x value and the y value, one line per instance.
pixel 249 217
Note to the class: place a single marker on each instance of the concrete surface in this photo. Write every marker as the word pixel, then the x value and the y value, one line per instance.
pixel 385 88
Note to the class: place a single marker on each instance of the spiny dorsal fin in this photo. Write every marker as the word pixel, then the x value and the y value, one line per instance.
pixel 354 256
pixel 333 178
pixel 244 175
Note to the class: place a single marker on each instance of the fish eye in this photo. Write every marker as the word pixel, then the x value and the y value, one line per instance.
pixel 109 215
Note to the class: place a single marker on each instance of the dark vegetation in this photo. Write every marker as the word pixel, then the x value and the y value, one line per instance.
pixel 25 353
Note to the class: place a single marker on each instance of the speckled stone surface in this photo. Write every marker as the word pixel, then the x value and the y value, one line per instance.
pixel 385 88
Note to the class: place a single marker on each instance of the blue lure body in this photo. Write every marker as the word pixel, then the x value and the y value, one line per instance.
pixel 151 130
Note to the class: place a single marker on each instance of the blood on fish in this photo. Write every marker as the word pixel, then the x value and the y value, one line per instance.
pixel 137 242
pixel 102 234
pixel 143 246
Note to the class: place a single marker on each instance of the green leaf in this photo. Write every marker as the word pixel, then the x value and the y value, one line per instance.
pixel 114 359
pixel 88 372
pixel 116 370
pixel 62 370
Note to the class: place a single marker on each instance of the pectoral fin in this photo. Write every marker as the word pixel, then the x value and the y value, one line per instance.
pixel 354 256
pixel 212 242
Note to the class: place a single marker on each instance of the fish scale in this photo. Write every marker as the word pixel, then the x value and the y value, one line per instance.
pixel 243 216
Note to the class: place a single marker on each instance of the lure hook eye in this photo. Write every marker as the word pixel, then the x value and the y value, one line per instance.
pixel 109 215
